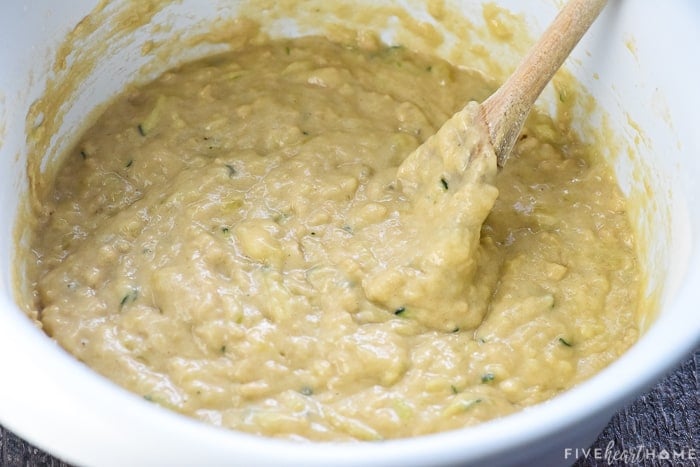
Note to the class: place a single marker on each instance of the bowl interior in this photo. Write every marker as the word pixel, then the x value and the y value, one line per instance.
pixel 629 63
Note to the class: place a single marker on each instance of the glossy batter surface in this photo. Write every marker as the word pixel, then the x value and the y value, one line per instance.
pixel 244 241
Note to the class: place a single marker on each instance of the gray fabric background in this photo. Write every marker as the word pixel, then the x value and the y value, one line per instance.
pixel 665 419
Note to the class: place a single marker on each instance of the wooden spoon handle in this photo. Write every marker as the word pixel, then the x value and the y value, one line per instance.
pixel 505 110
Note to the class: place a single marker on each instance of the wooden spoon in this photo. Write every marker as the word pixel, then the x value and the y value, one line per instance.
pixel 505 110
pixel 448 181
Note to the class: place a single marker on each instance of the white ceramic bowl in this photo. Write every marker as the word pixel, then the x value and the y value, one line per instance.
pixel 641 63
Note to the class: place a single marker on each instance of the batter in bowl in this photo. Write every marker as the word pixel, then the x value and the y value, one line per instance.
pixel 245 241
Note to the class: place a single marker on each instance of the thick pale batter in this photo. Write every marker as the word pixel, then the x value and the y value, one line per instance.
pixel 236 241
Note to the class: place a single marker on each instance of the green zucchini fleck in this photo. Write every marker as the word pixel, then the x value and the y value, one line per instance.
pixel 151 120
pixel 130 297
pixel 565 342
pixel 487 377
